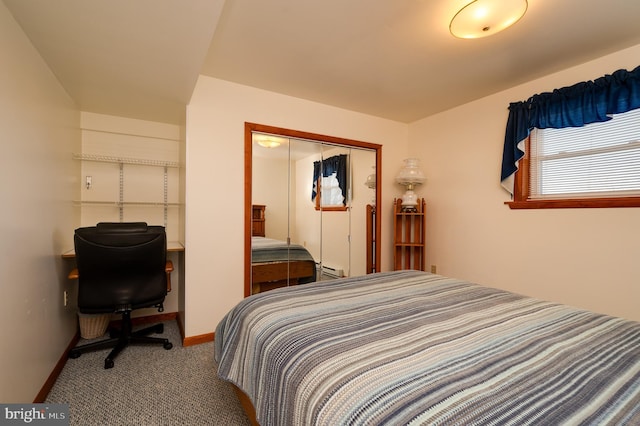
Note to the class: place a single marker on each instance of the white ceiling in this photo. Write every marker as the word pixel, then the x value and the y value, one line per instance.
pixel 393 59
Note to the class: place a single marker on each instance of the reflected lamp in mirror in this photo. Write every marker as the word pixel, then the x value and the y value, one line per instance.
pixel 482 18
pixel 371 183
pixel 410 176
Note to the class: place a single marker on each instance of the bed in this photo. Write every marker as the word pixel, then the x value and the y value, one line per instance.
pixel 275 264
pixel 410 347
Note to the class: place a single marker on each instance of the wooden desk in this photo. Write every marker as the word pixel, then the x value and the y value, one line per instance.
pixel 172 246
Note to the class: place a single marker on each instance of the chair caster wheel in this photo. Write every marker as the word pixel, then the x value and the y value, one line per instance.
pixel 159 328
pixel 167 345
pixel 74 354
pixel 108 363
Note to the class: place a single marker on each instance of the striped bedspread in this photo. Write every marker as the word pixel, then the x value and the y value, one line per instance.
pixel 270 250
pixel 412 348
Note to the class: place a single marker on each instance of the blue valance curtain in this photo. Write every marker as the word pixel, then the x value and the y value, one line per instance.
pixel 573 106
pixel 326 167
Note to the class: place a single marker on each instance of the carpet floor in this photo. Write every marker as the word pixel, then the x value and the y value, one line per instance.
pixel 148 386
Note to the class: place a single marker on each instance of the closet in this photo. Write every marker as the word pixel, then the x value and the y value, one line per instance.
pixel 307 194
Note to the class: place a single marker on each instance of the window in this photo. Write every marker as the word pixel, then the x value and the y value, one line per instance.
pixel 330 183
pixel 599 159
pixel 597 165
pixel 330 194
pixel 588 151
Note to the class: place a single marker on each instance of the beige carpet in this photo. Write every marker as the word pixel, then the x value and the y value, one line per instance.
pixel 148 386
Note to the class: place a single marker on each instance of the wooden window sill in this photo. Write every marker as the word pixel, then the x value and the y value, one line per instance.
pixel 577 203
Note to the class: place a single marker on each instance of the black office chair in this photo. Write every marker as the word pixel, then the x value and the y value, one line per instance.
pixel 121 267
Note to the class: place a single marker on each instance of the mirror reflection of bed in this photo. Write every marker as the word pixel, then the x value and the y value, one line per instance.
pixel 298 237
pixel 278 264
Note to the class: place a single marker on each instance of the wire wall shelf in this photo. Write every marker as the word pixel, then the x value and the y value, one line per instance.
pixel 126 203
pixel 121 203
pixel 125 160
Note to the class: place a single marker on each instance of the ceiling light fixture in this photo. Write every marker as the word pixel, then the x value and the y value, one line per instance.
pixel 482 18
pixel 268 141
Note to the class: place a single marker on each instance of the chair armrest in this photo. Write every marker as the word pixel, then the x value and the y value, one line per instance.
pixel 73 274
pixel 168 268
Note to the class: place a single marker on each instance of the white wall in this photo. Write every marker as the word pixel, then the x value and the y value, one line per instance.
pixel 39 179
pixel 326 235
pixel 582 257
pixel 270 176
pixel 214 223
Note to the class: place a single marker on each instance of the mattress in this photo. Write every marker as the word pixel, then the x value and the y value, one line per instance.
pixel 413 348
pixel 265 250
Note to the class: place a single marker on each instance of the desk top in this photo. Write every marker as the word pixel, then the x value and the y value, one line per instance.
pixel 172 246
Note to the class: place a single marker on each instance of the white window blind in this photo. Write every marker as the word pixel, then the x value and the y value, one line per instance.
pixel 596 160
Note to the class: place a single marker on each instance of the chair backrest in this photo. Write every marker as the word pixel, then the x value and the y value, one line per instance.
pixel 120 264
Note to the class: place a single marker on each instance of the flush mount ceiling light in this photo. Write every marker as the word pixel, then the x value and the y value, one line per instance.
pixel 482 18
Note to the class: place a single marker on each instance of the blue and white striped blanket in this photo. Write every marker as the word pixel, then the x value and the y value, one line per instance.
pixel 270 250
pixel 414 348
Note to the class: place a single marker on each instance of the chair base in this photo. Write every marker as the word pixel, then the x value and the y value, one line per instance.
pixel 121 339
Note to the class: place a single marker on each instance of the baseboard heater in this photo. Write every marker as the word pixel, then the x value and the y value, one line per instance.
pixel 329 272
